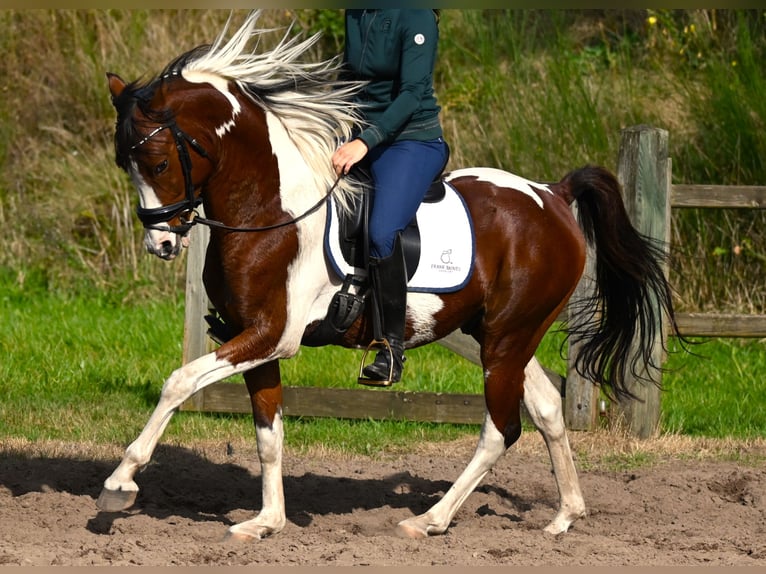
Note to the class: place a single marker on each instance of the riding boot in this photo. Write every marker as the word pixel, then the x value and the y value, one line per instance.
pixel 389 283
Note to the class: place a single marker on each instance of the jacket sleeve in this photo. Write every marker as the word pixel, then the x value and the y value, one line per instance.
pixel 419 39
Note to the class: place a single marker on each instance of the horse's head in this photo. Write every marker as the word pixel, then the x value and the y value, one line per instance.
pixel 166 157
pixel 176 134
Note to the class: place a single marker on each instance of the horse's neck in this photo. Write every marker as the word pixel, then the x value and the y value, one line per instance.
pixel 241 193
pixel 297 182
pixel 309 278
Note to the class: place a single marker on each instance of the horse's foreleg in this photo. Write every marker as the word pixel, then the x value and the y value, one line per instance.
pixel 543 402
pixel 501 428
pixel 120 490
pixel 265 388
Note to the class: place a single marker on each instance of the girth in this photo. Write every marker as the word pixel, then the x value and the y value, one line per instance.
pixel 349 302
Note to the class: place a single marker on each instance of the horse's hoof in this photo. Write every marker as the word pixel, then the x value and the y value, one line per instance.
pixel 237 537
pixel 407 530
pixel 249 532
pixel 116 500
pixel 563 522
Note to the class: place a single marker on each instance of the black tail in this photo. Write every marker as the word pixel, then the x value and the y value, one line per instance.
pixel 625 315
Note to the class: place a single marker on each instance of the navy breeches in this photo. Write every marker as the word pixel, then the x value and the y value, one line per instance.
pixel 402 173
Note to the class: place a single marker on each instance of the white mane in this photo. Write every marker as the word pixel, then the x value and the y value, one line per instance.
pixel 314 106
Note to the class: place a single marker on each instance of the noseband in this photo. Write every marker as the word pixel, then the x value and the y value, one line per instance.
pixel 186 210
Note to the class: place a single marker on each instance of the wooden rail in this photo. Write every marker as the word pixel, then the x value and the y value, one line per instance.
pixel 355 404
pixel 718 196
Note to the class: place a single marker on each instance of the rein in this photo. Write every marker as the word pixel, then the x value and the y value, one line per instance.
pixel 304 215
pixel 151 217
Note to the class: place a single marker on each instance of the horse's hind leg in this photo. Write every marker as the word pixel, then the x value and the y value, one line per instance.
pixel 265 388
pixel 436 521
pixel 503 390
pixel 543 402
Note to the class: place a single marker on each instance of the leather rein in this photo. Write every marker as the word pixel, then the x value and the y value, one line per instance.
pixel 186 209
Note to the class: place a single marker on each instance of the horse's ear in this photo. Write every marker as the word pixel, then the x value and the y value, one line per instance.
pixel 116 84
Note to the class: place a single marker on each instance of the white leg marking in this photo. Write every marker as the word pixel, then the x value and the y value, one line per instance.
pixel 436 521
pixel 543 402
pixel 181 385
pixel 271 519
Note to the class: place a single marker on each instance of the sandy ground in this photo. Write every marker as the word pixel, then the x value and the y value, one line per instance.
pixel 684 508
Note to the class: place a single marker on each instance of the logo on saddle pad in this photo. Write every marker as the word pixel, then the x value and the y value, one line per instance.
pixel 441 249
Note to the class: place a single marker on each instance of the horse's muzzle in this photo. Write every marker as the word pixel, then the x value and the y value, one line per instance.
pixel 164 244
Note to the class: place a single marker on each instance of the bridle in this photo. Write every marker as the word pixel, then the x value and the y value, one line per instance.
pixel 151 217
pixel 186 209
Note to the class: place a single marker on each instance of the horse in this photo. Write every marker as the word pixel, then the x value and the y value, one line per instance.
pixel 248 135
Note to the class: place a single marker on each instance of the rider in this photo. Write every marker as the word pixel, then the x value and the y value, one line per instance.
pixel 402 144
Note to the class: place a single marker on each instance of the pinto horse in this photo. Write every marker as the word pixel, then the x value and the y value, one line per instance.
pixel 249 136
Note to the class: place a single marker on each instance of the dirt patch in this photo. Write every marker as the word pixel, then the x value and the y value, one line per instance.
pixel 343 510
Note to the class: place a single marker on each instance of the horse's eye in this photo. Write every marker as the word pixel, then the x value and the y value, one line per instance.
pixel 160 167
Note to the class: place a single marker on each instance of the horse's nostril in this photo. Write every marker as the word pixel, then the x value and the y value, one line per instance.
pixel 166 247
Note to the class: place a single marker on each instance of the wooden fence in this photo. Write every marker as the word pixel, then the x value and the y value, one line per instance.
pixel 644 170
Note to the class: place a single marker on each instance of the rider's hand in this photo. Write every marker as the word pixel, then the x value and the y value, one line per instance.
pixel 347 155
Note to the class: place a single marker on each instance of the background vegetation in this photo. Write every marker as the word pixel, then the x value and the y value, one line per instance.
pixel 537 92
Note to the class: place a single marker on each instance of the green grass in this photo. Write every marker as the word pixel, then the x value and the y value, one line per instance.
pixel 82 367
pixel 718 394
pixel 90 366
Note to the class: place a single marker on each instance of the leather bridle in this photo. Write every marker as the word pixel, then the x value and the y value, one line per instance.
pixel 186 209
pixel 151 217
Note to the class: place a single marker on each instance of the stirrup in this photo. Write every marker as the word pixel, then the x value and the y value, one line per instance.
pixel 382 344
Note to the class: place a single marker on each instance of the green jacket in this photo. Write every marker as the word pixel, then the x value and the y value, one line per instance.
pixel 395 50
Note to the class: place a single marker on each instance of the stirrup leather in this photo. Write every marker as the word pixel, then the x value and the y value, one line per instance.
pixel 381 344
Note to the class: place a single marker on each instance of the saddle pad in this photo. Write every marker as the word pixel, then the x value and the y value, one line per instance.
pixel 447 245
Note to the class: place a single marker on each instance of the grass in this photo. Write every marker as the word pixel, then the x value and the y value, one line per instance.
pixel 720 393
pixel 89 366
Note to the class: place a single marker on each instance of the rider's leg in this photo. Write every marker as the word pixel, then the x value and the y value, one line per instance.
pixel 402 173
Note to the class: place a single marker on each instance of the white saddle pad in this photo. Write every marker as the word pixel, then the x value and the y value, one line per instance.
pixel 447 245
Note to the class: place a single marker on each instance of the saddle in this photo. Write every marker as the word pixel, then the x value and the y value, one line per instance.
pixel 438 249
pixel 352 230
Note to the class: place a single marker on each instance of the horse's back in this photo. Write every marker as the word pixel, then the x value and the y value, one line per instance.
pixel 505 206
pixel 529 247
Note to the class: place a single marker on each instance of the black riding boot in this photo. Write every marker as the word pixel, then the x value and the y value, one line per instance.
pixel 389 282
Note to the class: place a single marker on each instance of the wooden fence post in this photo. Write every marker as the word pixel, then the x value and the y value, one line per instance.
pixel 196 341
pixel 644 172
pixel 581 404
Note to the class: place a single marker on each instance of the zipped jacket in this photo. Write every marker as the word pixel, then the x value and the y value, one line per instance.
pixel 395 51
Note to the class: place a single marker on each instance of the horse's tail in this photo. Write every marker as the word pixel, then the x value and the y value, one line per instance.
pixel 624 317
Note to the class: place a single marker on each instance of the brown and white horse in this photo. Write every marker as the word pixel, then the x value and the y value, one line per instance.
pixel 250 135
